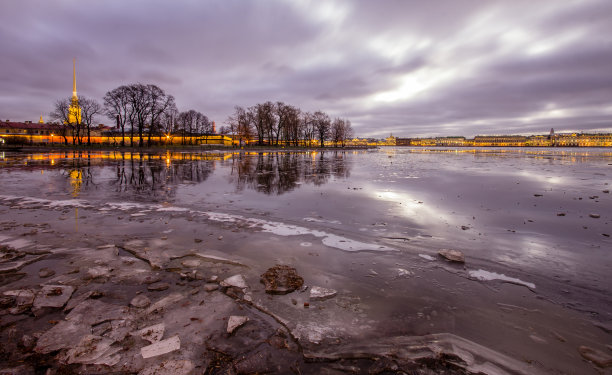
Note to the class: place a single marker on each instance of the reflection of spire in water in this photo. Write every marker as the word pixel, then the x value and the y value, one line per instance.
pixel 76 219
pixel 76 180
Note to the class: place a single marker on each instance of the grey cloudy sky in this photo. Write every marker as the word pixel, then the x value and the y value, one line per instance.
pixel 413 68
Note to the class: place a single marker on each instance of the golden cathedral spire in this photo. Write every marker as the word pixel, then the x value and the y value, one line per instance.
pixel 74 112
pixel 74 93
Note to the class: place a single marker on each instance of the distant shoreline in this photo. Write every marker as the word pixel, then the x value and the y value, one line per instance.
pixel 181 148
pixel 204 148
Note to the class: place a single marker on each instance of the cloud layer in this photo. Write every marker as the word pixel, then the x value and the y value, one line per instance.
pixel 412 68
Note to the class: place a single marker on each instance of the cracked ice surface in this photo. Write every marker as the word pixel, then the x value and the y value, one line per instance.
pixel 277 228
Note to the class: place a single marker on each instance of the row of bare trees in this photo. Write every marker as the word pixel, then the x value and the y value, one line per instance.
pixel 279 123
pixel 148 109
pixel 142 111
pixel 145 111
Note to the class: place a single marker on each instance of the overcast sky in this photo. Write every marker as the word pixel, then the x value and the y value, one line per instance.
pixel 411 68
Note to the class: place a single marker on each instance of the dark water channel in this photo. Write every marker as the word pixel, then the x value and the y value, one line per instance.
pixel 534 226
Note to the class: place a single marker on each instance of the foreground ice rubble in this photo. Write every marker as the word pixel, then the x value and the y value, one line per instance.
pixel 171 333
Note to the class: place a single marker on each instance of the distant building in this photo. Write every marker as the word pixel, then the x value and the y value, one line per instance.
pixel 500 140
pixel 451 142
pixel 551 140
pixel 28 132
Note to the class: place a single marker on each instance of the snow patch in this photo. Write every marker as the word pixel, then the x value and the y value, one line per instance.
pixel 488 276
pixel 428 257
pixel 19 243
pixel 172 209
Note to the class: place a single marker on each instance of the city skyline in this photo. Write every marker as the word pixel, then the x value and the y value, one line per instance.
pixel 460 68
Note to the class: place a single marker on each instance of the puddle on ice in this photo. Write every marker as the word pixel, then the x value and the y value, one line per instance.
pixel 488 276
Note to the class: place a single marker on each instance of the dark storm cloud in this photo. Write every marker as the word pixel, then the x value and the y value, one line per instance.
pixel 407 67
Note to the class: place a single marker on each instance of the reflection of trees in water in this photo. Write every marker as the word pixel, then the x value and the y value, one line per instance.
pixel 158 178
pixel 278 172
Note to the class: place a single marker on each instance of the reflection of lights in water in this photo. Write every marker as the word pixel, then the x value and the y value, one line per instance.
pixel 76 180
pixel 52 161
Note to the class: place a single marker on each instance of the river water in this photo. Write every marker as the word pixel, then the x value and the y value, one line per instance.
pixel 534 226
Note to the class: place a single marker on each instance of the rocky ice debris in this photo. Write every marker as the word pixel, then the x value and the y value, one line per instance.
pixel 165 302
pixel 157 287
pixel 236 281
pixel 402 272
pixel 53 296
pixel 594 216
pixel 92 312
pixel 170 367
pixel 318 293
pixel 22 300
pixel 95 350
pixel 191 263
pixel 62 335
pixel 209 287
pixel 45 272
pixel 140 301
pixel 234 322
pixel 599 358
pixel 99 272
pixel 281 279
pixel 76 300
pixel 452 255
pixel 152 333
pixel 161 347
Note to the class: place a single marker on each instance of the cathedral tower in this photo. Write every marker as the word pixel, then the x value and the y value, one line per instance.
pixel 74 112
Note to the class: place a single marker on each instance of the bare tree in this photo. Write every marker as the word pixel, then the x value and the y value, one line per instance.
pixel 139 102
pixel 241 124
pixel 89 109
pixel 117 108
pixel 158 102
pixel 168 122
pixel 225 130
pixel 348 132
pixel 309 131
pixel 264 121
pixel 322 124
pixel 60 114
pixel 292 125
pixel 187 122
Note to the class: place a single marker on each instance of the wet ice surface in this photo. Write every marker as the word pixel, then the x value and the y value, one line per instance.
pixel 368 225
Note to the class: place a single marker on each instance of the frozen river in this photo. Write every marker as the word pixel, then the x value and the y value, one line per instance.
pixel 534 226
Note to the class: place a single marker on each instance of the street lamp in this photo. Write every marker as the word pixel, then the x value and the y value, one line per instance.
pixel 51 139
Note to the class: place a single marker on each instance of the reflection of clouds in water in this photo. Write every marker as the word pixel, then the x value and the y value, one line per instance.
pixel 411 208
pixel 537 176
